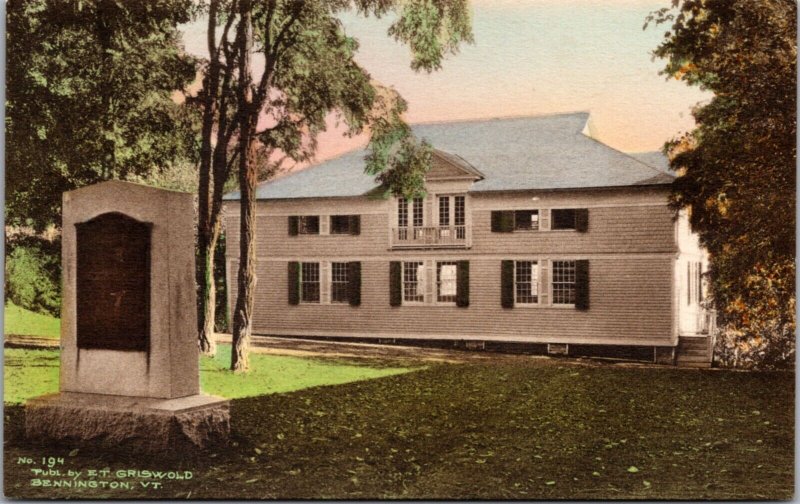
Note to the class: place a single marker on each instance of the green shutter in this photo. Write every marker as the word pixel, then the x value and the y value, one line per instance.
pixel 355 224
pixel 354 283
pixel 395 283
pixel 507 284
pixel 294 225
pixel 582 220
pixel 502 221
pixel 462 284
pixel 582 285
pixel 294 283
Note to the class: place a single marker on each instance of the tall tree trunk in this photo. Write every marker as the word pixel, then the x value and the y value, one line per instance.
pixel 206 235
pixel 242 317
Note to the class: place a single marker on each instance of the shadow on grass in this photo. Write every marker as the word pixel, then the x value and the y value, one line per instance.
pixel 522 429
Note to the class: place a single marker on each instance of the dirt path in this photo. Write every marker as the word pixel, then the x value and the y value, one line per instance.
pixel 366 351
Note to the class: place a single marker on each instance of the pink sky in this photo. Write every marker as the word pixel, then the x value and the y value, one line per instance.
pixel 534 57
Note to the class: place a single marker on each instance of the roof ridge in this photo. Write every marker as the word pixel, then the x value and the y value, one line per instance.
pixel 656 170
pixel 501 118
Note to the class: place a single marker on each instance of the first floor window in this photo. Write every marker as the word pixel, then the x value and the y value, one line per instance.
pixel 446 282
pixel 413 282
pixel 563 282
pixel 309 282
pixel 308 224
pixel 526 279
pixel 339 282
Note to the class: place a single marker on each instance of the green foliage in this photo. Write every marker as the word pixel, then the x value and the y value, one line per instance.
pixel 32 272
pixel 20 321
pixel 89 88
pixel 737 167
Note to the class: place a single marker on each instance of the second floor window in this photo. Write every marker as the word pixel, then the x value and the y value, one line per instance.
pixel 413 282
pixel 339 282
pixel 417 212
pixel 308 224
pixel 563 282
pixel 526 220
pixel 563 218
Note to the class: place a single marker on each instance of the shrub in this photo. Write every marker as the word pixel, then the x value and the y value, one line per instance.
pixel 33 275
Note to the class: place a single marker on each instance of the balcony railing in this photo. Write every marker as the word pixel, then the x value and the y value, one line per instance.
pixel 431 236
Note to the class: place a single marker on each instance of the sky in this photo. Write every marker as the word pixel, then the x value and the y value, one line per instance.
pixel 533 57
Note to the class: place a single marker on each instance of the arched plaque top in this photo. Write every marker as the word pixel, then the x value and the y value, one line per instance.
pixel 114 218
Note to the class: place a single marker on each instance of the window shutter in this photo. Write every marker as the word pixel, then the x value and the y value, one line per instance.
pixel 395 283
pixel 502 221
pixel 354 283
pixel 294 283
pixel 462 284
pixel 582 284
pixel 294 225
pixel 507 284
pixel 355 224
pixel 582 220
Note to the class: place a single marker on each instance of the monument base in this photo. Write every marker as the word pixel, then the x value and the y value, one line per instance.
pixel 135 423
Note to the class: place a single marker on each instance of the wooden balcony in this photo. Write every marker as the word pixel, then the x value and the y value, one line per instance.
pixel 431 237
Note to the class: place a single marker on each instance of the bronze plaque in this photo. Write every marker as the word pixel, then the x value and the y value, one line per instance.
pixel 113 294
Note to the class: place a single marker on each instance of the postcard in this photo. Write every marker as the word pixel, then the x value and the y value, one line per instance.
pixel 400 250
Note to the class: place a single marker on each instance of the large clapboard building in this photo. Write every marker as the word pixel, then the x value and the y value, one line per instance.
pixel 531 232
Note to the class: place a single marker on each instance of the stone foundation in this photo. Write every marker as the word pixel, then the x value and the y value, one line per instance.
pixel 138 424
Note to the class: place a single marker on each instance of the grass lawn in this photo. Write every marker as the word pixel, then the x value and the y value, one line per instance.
pixel 510 428
pixel 29 373
pixel 25 322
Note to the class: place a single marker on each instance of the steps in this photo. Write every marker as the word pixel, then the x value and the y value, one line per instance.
pixel 693 351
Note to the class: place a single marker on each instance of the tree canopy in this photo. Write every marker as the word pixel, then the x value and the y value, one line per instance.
pixel 737 167
pixel 89 88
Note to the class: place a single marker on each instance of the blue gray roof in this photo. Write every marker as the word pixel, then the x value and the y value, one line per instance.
pixel 539 152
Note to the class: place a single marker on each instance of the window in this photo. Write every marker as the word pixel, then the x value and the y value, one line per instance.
pixel 342 224
pixel 694 284
pixel 526 220
pixel 339 282
pixel 563 218
pixel 526 278
pixel 402 212
pixel 309 282
pixel 446 282
pixel 417 214
pixel 444 210
pixel 563 282
pixel 308 224
pixel 413 282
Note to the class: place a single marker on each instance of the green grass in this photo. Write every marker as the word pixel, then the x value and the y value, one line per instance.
pixel 29 373
pixel 508 428
pixel 270 374
pixel 21 321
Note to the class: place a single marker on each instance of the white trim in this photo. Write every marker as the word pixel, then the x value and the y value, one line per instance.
pixel 458 255
pixel 591 340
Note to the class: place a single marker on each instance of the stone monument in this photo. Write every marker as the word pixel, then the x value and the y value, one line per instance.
pixel 129 353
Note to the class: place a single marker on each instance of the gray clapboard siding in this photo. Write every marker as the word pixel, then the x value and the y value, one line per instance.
pixel 630 304
pixel 643 228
